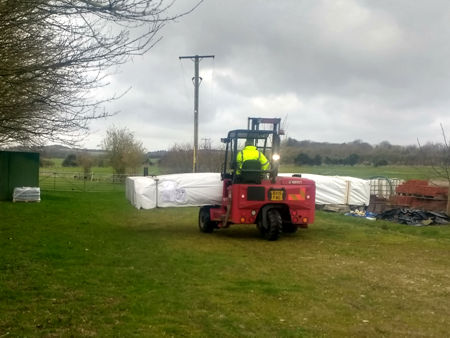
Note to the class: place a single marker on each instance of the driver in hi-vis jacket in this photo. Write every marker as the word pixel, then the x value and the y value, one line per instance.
pixel 250 153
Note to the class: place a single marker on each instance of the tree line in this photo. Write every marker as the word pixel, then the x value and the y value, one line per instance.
pixel 307 152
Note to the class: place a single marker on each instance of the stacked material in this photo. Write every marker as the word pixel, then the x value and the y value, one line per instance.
pixel 189 190
pixel 420 194
pixel 341 190
pixel 178 190
pixel 27 194
pixel 199 189
pixel 141 192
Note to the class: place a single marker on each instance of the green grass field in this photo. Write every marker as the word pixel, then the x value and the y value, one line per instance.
pixel 361 171
pixel 58 167
pixel 89 264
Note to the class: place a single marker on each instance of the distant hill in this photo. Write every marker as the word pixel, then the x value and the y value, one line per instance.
pixel 57 151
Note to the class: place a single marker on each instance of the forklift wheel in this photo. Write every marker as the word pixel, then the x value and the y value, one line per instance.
pixel 272 230
pixel 204 220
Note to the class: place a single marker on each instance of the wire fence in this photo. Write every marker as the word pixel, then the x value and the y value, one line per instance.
pixel 75 181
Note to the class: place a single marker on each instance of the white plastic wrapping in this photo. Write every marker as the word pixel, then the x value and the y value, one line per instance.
pixel 141 192
pixel 178 190
pixel 27 194
pixel 358 191
pixel 182 190
pixel 189 189
pixel 339 189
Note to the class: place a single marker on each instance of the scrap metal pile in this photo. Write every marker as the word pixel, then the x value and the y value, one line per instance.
pixel 414 217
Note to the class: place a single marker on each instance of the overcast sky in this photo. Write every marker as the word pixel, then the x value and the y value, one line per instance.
pixel 334 70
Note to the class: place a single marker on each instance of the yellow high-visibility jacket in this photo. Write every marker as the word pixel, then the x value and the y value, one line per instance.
pixel 251 153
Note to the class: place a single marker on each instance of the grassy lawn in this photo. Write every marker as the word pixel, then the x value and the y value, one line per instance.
pixel 89 264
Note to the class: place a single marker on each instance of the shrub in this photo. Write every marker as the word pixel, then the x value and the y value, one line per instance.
pixel 70 161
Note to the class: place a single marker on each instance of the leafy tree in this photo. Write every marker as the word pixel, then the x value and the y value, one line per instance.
pixel 303 159
pixel 44 162
pixel 70 161
pixel 380 162
pixel 124 152
pixel 54 52
pixel 352 159
pixel 317 160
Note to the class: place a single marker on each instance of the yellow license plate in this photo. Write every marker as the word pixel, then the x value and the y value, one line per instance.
pixel 276 195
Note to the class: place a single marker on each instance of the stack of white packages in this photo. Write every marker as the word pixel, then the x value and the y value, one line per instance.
pixel 189 189
pixel 177 190
pixel 182 190
pixel 339 189
pixel 141 192
pixel 27 194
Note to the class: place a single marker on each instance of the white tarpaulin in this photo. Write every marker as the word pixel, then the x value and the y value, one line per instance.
pixel 141 192
pixel 339 189
pixel 189 189
pixel 179 190
pixel 27 194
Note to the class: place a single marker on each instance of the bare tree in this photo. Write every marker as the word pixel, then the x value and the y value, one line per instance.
pixel 179 159
pixel 55 52
pixel 442 167
pixel 440 161
pixel 86 161
pixel 124 152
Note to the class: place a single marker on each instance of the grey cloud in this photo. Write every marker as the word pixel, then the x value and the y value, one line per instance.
pixel 346 70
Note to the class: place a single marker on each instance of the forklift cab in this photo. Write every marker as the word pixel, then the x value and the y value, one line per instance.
pixel 267 141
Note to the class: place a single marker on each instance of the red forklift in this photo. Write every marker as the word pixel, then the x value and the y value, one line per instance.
pixel 252 195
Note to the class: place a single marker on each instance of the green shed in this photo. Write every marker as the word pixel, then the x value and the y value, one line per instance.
pixel 17 169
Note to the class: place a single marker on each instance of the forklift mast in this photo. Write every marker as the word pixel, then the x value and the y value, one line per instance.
pixel 254 123
pixel 273 124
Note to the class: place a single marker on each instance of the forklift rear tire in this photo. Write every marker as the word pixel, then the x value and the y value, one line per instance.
pixel 272 230
pixel 204 220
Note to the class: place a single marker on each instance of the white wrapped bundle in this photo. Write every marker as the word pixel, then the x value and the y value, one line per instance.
pixel 141 192
pixel 339 189
pixel 27 194
pixel 189 189
pixel 182 190
pixel 359 191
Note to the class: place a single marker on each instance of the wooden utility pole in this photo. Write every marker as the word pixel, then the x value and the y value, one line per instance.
pixel 196 80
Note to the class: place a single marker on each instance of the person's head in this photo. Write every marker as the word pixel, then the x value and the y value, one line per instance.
pixel 249 142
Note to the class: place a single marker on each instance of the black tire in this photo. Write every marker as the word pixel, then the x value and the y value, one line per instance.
pixel 274 225
pixel 261 228
pixel 204 220
pixel 289 228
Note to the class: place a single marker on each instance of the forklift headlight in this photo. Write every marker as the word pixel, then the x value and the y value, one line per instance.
pixel 276 157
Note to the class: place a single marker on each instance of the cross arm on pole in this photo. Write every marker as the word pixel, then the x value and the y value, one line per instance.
pixel 193 57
